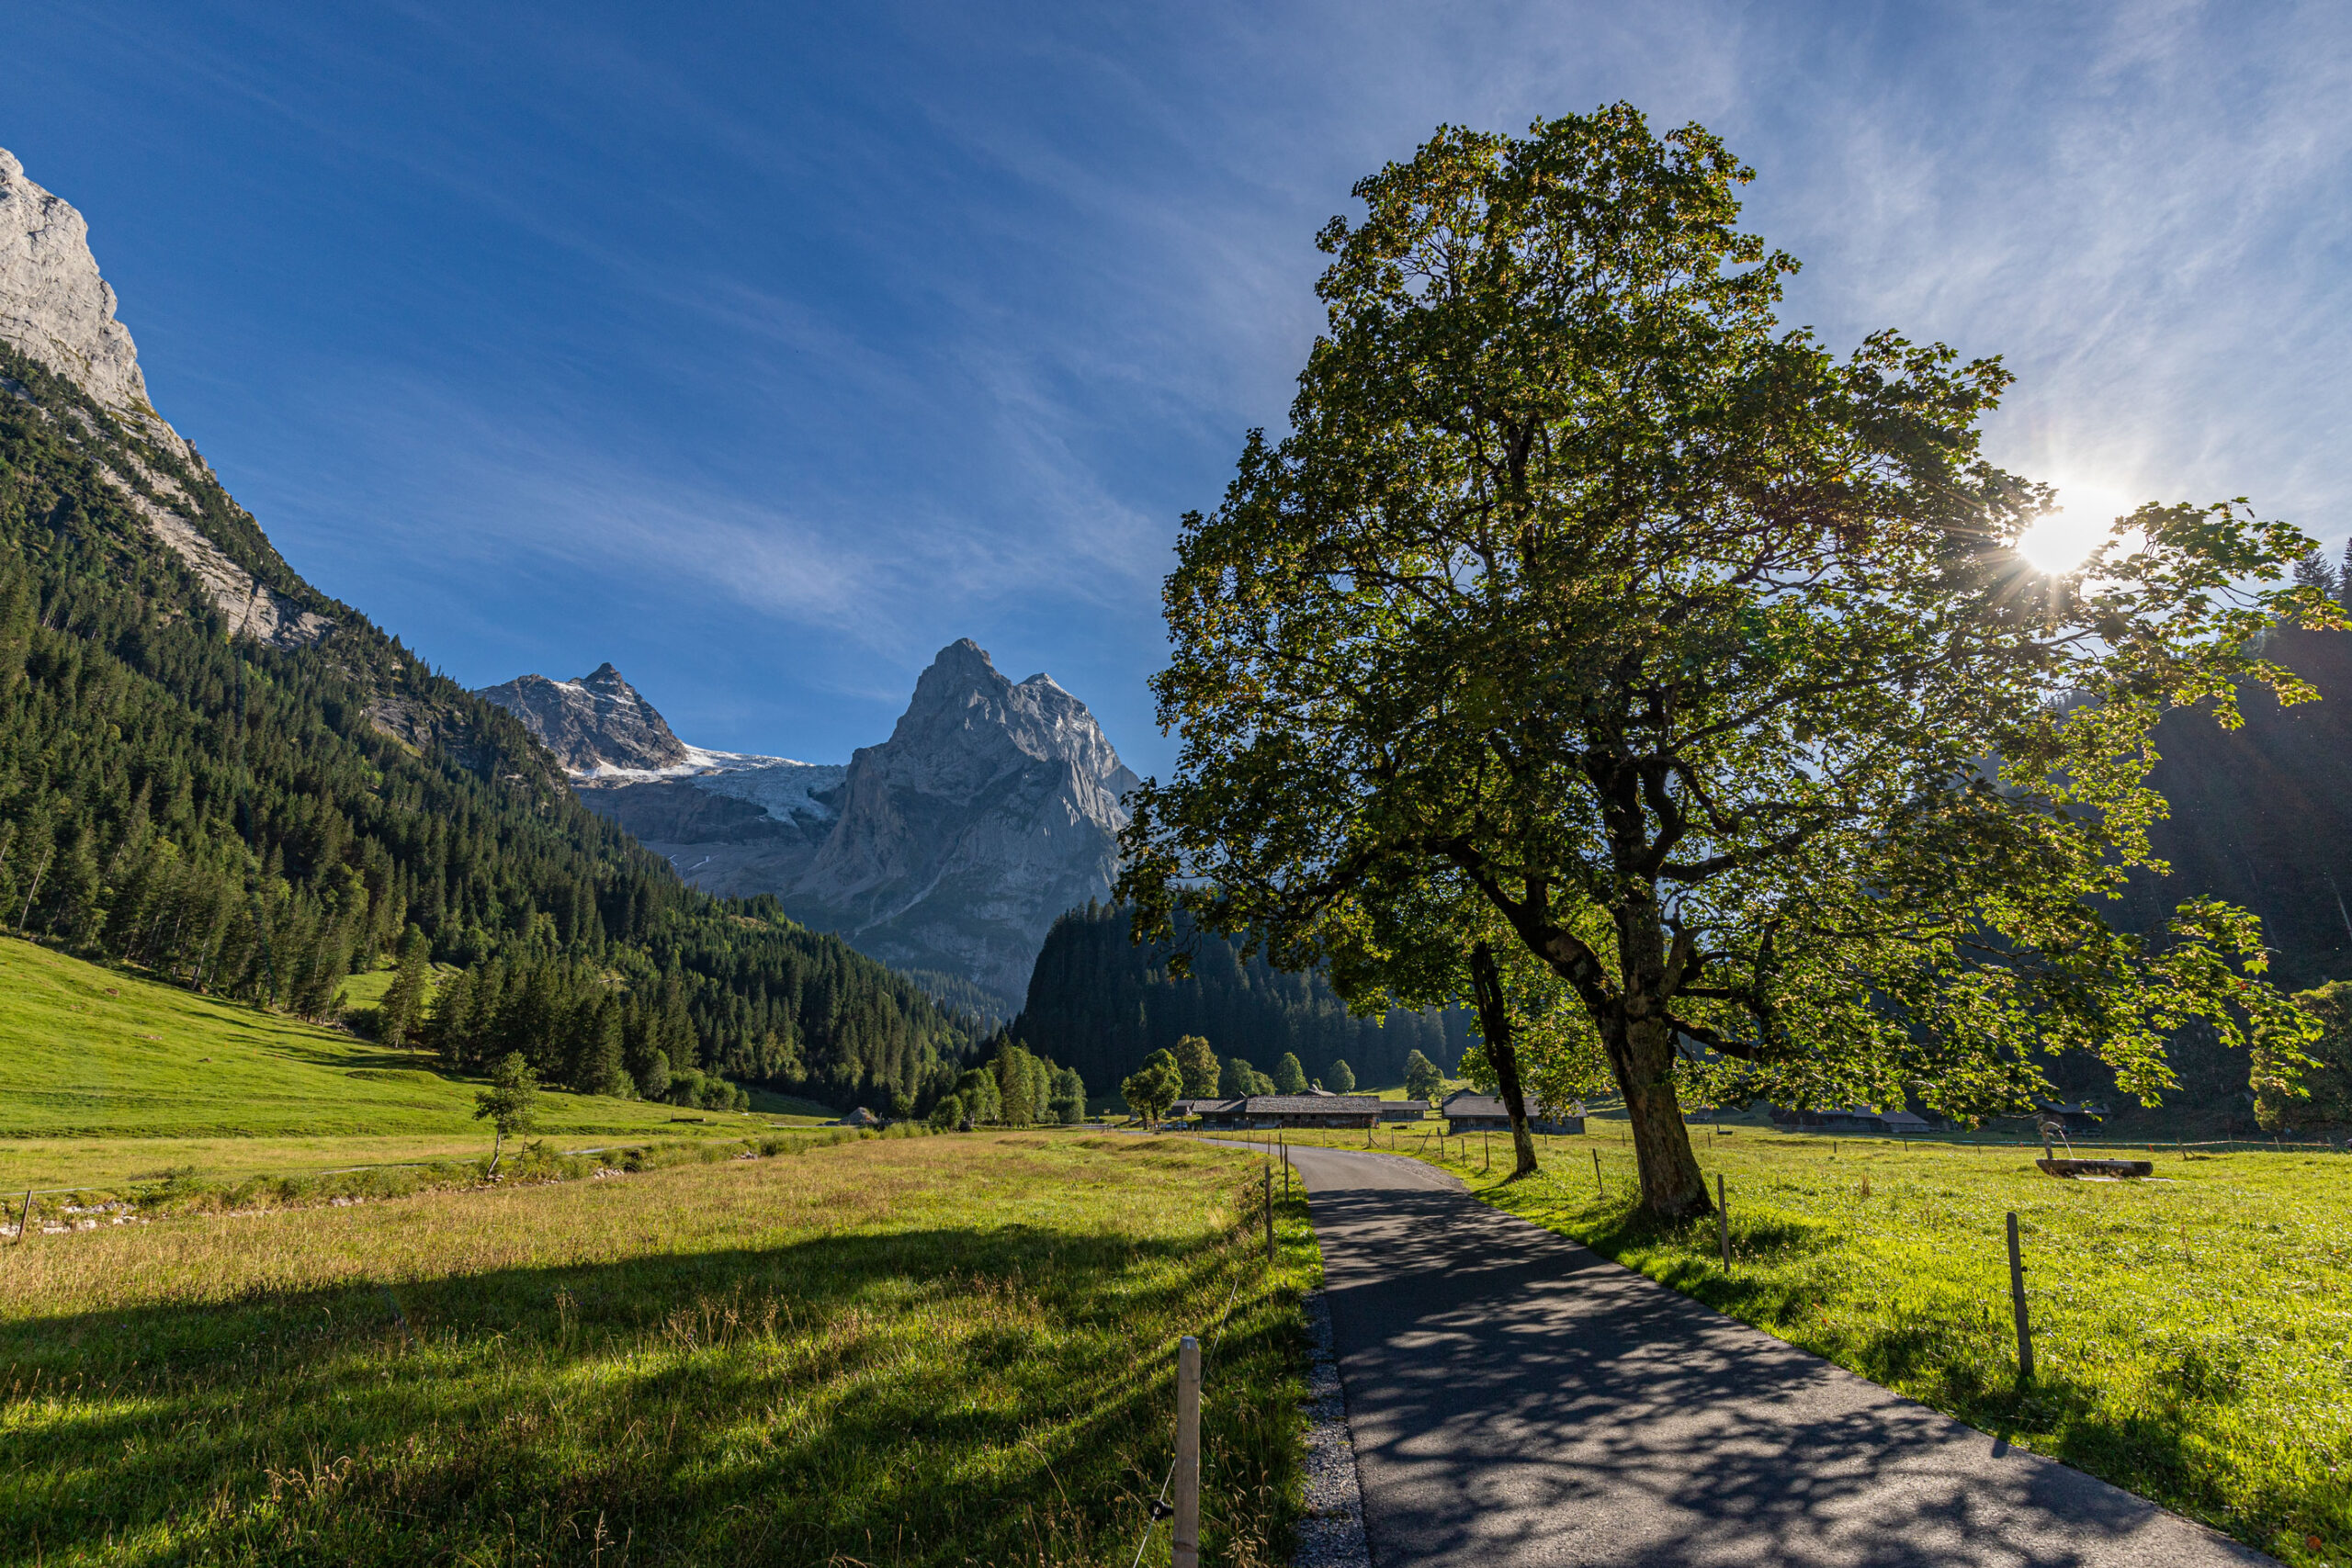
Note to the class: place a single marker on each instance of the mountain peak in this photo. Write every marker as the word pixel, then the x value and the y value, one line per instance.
pixel 597 724
pixel 962 660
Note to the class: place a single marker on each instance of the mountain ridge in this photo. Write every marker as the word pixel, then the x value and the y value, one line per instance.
pixel 993 809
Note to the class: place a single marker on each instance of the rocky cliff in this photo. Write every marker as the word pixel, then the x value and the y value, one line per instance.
pixel 58 312
pixel 992 809
pixel 596 725
pixel 949 849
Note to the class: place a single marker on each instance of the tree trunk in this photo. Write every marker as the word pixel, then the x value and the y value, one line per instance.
pixel 1494 1026
pixel 1672 1187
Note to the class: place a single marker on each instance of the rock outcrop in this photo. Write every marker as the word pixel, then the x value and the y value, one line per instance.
pixel 993 809
pixel 595 726
pixel 951 848
pixel 57 310
pixel 53 304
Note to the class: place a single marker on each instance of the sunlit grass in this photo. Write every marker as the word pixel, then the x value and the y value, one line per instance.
pixel 926 1350
pixel 111 1078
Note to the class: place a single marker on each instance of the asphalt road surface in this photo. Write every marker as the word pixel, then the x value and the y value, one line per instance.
pixel 1517 1399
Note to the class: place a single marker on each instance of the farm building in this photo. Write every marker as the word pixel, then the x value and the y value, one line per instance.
pixel 1274 1111
pixel 1403 1109
pixel 1467 1111
pixel 1854 1119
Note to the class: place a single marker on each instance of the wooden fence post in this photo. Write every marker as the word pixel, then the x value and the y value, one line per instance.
pixel 25 1226
pixel 1598 1186
pixel 1723 1221
pixel 1269 1214
pixel 2017 1300
pixel 1187 1553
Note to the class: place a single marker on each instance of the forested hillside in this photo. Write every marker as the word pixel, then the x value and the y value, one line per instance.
pixel 253 815
pixel 1100 1004
pixel 2262 815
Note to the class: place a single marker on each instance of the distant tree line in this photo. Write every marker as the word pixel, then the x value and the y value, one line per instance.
pixel 1104 1005
pixel 1015 1087
pixel 1191 1070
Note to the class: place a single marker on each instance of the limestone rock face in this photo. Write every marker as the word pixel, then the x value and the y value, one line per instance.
pixel 55 307
pixel 58 312
pixel 993 809
pixel 595 726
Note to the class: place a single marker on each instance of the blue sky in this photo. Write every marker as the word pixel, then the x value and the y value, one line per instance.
pixel 764 350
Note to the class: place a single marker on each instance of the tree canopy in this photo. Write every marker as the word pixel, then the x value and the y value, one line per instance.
pixel 510 1104
pixel 1700 658
pixel 1151 1089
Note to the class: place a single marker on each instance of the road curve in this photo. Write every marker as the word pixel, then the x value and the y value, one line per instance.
pixel 1517 1399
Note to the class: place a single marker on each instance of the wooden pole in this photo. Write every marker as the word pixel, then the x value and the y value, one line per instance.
pixel 2017 1300
pixel 1285 1168
pixel 25 1226
pixel 1486 1151
pixel 1598 1186
pixel 1723 1221
pixel 1270 1215
pixel 1187 1544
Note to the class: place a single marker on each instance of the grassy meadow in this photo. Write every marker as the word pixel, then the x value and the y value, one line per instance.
pixel 113 1079
pixel 2192 1335
pixel 925 1350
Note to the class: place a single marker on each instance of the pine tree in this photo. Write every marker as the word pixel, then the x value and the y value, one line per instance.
pixel 2314 570
pixel 404 1004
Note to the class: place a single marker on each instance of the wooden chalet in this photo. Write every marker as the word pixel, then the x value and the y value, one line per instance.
pixel 1273 1112
pixel 1467 1110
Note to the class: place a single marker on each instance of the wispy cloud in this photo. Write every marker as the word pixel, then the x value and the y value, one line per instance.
pixel 885 324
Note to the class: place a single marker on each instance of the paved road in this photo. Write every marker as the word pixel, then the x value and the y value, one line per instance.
pixel 1518 1399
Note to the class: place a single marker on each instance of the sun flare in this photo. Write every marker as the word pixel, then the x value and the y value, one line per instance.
pixel 2057 541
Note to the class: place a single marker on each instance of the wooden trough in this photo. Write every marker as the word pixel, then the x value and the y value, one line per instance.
pixel 2127 1168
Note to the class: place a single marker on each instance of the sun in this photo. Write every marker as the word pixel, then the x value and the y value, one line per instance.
pixel 2057 541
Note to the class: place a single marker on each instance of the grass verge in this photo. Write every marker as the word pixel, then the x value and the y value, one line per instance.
pixel 931 1350
pixel 2192 1336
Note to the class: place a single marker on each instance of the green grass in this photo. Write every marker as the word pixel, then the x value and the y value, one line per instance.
pixel 2192 1336
pixel 791 1107
pixel 927 1350
pixel 110 1077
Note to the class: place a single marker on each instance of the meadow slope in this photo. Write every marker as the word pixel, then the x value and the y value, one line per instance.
pixel 111 1078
